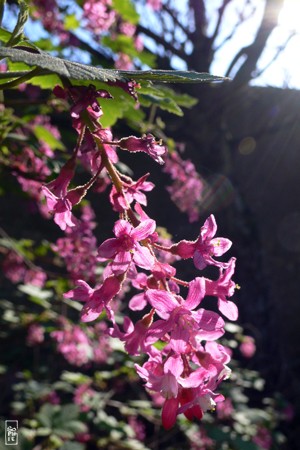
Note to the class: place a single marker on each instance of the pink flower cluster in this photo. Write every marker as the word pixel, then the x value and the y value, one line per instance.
pixel 187 188
pixel 79 247
pixel 156 5
pixel 99 14
pixel 35 334
pixel 178 336
pixel 17 271
pixel 48 12
pixel 80 347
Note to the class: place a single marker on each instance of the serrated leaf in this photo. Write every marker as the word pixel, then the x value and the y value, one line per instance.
pixel 127 10
pixel 171 76
pixel 78 71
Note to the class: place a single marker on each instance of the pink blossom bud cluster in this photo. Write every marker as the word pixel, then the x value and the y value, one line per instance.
pixel 178 336
pixel 156 5
pixel 187 188
pixel 17 270
pixel 48 12
pixel 35 334
pixel 80 347
pixel 79 247
pixel 99 15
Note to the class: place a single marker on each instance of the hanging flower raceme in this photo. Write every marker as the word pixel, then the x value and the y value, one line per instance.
pixel 185 363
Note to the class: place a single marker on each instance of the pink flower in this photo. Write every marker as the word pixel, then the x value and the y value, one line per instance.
pixel 156 5
pixel 222 288
pixel 263 438
pixel 83 397
pixel 61 208
pixel 186 327
pixel 187 188
pixel 206 246
pixel 83 98
pixel 127 28
pixel 225 409
pixel 124 62
pixel 35 334
pixel 145 144
pixel 125 247
pixel 100 17
pixel 131 191
pixel 73 344
pixel 96 299
pixel 247 347
pixel 135 336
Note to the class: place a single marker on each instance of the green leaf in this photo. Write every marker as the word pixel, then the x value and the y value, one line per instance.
pixel 69 412
pixel 125 44
pixel 72 446
pixel 17 33
pixel 46 413
pixel 4 35
pixel 77 71
pixel 166 104
pixel 127 10
pixel 71 22
pixel 69 445
pixel 45 135
pixel 114 109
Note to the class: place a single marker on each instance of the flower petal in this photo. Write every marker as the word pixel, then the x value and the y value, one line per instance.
pixel 164 302
pixel 143 258
pixel 122 227
pixel 138 302
pixel 91 311
pixel 110 287
pixel 144 229
pixel 228 308
pixel 121 262
pixel 169 413
pixel 196 293
pixel 220 246
pixel 109 248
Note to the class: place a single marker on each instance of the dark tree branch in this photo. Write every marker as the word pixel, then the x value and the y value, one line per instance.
pixel 160 40
pixel 201 57
pixel 236 26
pixel 254 51
pixel 280 49
pixel 198 8
pixel 176 21
pixel 220 17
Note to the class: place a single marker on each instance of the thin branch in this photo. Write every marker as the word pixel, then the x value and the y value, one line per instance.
pixel 221 11
pixel 254 51
pixel 280 49
pixel 234 29
pixel 160 40
pixel 176 21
